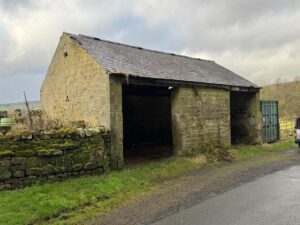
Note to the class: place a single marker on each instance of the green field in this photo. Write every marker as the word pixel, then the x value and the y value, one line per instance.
pixel 20 105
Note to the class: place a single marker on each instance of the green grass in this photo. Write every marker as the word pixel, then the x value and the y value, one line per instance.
pixel 77 200
pixel 88 195
pixel 243 152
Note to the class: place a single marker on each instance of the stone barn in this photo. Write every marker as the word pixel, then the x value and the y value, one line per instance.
pixel 149 100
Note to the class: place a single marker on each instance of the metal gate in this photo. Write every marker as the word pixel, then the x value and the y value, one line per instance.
pixel 270 121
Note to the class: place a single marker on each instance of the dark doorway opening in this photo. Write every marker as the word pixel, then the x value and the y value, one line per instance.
pixel 240 116
pixel 147 123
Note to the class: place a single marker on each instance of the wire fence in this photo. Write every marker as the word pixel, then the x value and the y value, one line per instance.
pixel 287 126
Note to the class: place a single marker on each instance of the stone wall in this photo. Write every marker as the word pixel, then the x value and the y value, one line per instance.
pixel 28 157
pixel 200 119
pixel 76 87
pixel 116 123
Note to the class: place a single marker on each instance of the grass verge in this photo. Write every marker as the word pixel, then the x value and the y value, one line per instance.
pixel 244 152
pixel 77 200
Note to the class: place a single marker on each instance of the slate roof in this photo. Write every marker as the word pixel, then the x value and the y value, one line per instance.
pixel 139 62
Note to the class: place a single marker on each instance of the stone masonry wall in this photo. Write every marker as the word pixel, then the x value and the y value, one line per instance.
pixel 116 123
pixel 255 119
pixel 28 157
pixel 200 119
pixel 76 88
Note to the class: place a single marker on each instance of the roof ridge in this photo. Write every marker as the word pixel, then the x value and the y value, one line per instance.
pixel 140 48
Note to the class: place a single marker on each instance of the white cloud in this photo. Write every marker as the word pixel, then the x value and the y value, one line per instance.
pixel 258 39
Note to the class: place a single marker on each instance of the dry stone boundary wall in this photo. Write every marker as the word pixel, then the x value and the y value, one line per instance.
pixel 37 157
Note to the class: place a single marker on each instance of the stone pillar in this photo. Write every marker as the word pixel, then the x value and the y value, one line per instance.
pixel 255 119
pixel 200 119
pixel 116 123
pixel 178 125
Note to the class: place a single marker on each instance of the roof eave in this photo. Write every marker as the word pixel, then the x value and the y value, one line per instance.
pixel 137 80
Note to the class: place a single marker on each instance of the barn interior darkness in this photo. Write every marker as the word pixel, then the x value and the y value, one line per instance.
pixel 147 123
pixel 240 116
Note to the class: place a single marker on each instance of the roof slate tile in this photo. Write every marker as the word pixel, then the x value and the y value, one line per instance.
pixel 139 62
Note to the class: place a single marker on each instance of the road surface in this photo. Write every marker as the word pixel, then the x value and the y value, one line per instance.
pixel 272 199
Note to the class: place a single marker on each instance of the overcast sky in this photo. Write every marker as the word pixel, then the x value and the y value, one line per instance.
pixel 258 39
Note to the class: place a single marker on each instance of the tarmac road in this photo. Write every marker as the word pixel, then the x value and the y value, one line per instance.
pixel 272 199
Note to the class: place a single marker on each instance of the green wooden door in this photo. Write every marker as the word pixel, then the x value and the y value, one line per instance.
pixel 270 121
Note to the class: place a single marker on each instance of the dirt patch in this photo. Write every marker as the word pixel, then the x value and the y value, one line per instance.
pixel 187 190
pixel 143 154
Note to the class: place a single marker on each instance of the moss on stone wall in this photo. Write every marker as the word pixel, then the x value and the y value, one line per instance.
pixel 30 157
pixel 200 119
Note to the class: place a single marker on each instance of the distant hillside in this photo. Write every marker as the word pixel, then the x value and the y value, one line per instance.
pixel 288 95
pixel 20 105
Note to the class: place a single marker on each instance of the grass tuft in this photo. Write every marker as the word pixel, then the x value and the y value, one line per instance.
pixel 243 152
